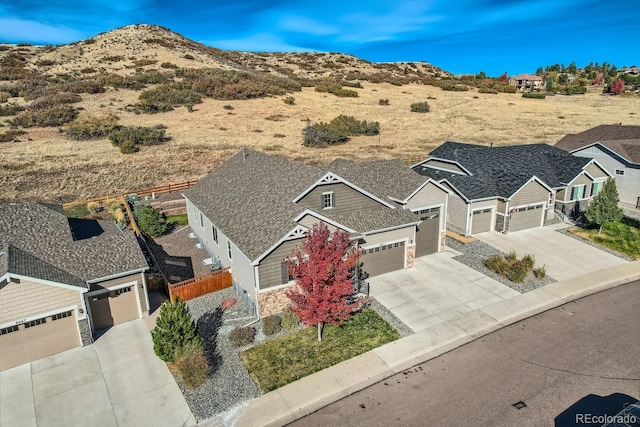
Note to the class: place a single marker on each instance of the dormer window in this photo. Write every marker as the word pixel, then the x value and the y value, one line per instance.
pixel 327 200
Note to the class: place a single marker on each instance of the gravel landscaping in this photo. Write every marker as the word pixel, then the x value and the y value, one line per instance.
pixel 475 254
pixel 603 248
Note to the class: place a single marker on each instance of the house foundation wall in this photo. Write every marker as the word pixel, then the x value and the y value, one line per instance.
pixel 272 302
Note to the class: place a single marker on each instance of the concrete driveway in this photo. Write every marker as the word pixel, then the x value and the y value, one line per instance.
pixel 117 381
pixel 565 257
pixel 436 289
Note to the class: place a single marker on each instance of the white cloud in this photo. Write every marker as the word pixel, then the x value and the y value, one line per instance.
pixel 256 42
pixel 20 30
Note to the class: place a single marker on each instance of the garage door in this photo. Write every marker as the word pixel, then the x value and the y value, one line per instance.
pixel 38 338
pixel 383 259
pixel 113 307
pixel 428 233
pixel 481 221
pixel 526 217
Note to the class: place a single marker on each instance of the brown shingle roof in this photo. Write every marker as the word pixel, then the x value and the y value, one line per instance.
pixel 623 139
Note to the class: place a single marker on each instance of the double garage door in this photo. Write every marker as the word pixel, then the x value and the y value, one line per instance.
pixel 38 338
pixel 526 217
pixel 112 307
pixel 383 259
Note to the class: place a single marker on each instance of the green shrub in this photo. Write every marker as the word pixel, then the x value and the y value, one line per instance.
pixel 91 127
pixel 45 63
pixel 518 271
pixel 271 325
pixel 335 88
pixel 82 86
pixel 540 272
pixel 289 100
pixel 4 96
pixel 165 97
pixel 77 211
pixel 420 107
pixel 241 336
pixel 89 41
pixel 128 147
pixel 11 135
pixel 53 100
pixel 10 109
pixel 383 102
pixel 168 65
pixel 150 220
pixel 455 87
pixel 320 134
pixel 529 261
pixel 191 363
pixel 47 117
pixel 487 90
pixel 144 62
pixel 510 266
pixel 575 90
pixel 188 56
pixel 505 88
pixel 289 319
pixel 174 329
pixel 498 264
pixel 138 135
pixel 534 95
pixel 511 256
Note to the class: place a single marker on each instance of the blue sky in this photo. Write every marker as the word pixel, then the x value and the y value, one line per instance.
pixel 460 36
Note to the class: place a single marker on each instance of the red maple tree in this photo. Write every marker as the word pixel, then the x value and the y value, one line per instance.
pixel 617 86
pixel 503 77
pixel 322 270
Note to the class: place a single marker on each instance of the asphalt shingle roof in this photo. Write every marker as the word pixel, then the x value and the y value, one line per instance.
pixel 624 140
pixel 250 197
pixel 44 243
pixel 501 171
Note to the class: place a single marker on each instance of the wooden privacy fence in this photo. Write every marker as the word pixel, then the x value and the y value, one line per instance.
pixel 201 285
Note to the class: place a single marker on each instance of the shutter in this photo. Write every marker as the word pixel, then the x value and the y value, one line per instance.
pixel 284 273
pixel 333 200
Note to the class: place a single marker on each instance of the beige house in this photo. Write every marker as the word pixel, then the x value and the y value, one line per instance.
pixel 253 210
pixel 510 188
pixel 527 82
pixel 61 279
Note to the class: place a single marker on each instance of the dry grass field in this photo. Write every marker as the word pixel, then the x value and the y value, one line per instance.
pixel 44 165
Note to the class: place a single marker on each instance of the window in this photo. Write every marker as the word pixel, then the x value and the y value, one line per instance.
pixel 619 172
pixel 61 315
pixel 596 188
pixel 327 200
pixel 121 291
pixel 229 249
pixel 36 322
pixel 8 330
pixel 214 233
pixel 284 273
pixel 577 192
pixel 201 221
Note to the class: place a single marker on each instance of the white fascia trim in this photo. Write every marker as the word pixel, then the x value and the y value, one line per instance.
pixel 421 162
pixel 298 232
pixel 455 190
pixel 424 184
pixel 451 162
pixel 595 162
pixel 332 178
pixel 484 199
pixel 115 288
pixel 382 230
pixel 47 282
pixel 324 219
pixel 533 178
pixel 578 176
pixel 590 176
pixel 115 276
pixel 390 242
pixel 41 315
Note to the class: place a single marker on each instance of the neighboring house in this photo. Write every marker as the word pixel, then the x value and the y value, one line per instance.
pixel 61 279
pixel 615 147
pixel 510 188
pixel 633 70
pixel 527 82
pixel 254 209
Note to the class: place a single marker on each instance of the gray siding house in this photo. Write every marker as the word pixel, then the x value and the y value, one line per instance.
pixel 61 279
pixel 616 148
pixel 510 188
pixel 251 212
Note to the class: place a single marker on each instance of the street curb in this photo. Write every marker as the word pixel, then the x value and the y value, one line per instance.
pixel 320 389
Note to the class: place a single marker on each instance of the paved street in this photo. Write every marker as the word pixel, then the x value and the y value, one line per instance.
pixel 435 290
pixel 117 381
pixel 564 256
pixel 568 360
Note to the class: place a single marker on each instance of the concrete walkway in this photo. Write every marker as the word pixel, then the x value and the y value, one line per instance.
pixel 564 256
pixel 311 393
pixel 435 290
pixel 117 381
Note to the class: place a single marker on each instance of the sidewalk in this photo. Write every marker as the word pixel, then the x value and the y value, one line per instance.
pixel 311 393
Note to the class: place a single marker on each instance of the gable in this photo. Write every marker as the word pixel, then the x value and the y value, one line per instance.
pixel 596 171
pixel 429 195
pixel 346 199
pixel 309 221
pixel 532 192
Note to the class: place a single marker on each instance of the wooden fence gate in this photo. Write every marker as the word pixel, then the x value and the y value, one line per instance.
pixel 201 285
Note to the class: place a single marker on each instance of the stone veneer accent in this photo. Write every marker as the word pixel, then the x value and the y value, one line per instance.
pixel 85 331
pixel 272 302
pixel 443 240
pixel 499 223
pixel 411 256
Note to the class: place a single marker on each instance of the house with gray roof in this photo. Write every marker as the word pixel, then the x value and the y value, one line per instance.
pixel 617 148
pixel 252 211
pixel 61 279
pixel 510 188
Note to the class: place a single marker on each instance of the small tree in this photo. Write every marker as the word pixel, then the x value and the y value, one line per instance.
pixel 323 269
pixel 174 329
pixel 503 78
pixel 604 206
pixel 151 221
pixel 617 86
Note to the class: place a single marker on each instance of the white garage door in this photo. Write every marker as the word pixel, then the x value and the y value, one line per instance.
pixel 481 221
pixel 526 217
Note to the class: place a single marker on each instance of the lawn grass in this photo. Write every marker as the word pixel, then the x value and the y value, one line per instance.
pixel 178 220
pixel 296 355
pixel 622 237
